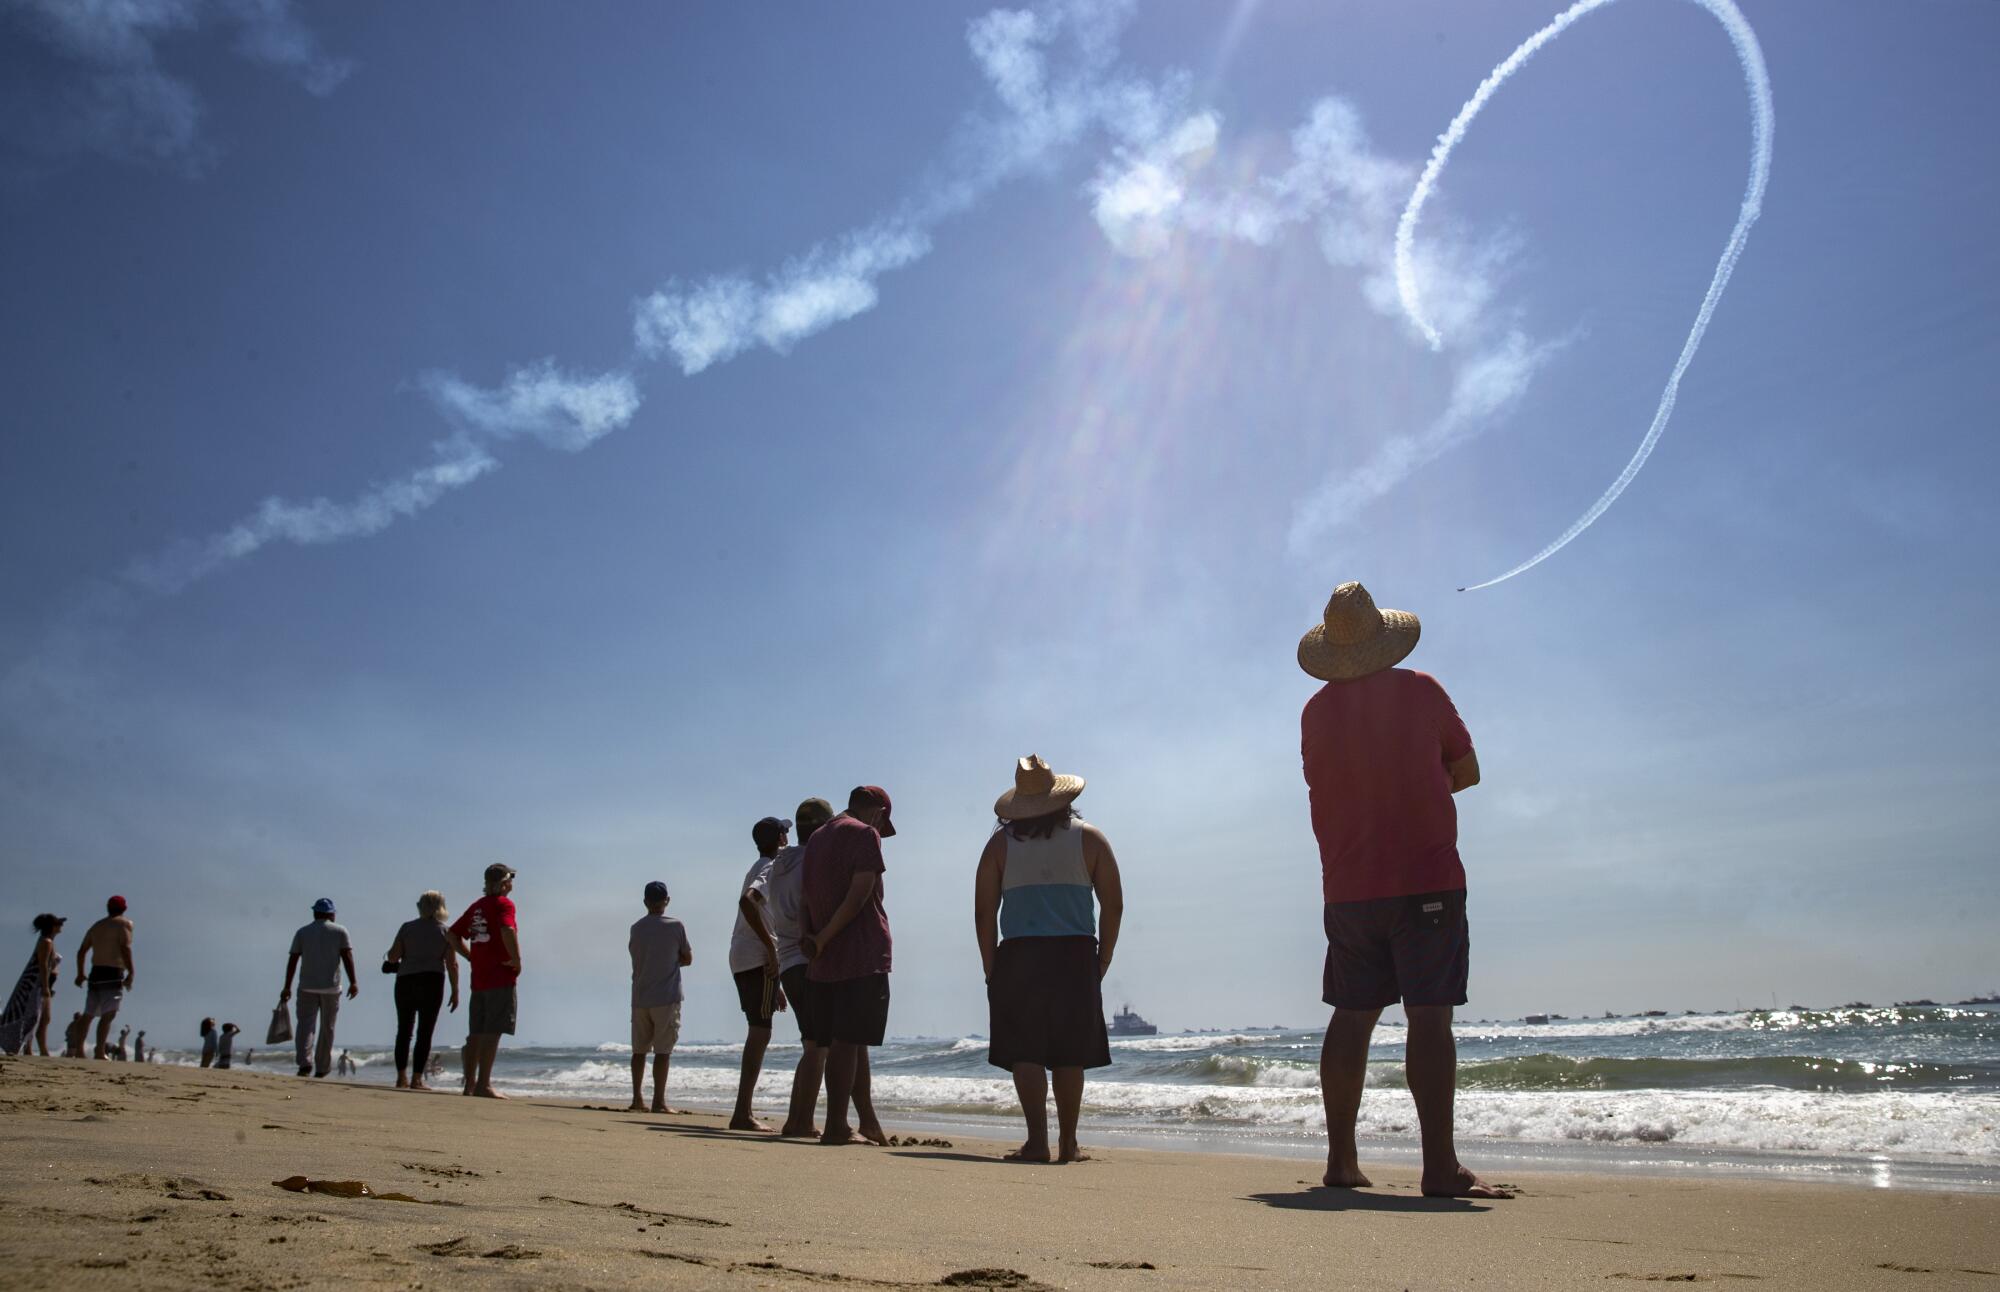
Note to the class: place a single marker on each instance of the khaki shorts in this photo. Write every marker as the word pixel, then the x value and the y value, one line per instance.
pixel 655 1028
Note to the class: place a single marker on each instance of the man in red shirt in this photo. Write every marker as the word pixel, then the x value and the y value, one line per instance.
pixel 846 940
pixel 1384 751
pixel 485 934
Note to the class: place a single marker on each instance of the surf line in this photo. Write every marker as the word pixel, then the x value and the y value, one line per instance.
pixel 1756 79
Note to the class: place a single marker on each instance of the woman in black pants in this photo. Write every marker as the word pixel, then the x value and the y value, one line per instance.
pixel 423 957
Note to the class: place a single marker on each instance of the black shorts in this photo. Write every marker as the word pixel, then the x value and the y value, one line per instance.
pixel 1045 1006
pixel 803 995
pixel 491 1012
pixel 758 995
pixel 1414 949
pixel 854 1010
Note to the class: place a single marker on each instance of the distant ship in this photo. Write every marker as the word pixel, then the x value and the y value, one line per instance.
pixel 1127 1023
pixel 1536 1018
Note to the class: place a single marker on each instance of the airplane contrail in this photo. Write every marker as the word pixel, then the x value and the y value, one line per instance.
pixel 1757 81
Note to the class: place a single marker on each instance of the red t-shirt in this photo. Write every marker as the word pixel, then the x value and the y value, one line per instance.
pixel 836 853
pixel 1375 750
pixel 480 926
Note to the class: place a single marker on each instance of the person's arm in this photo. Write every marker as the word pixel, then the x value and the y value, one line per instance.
pixel 986 899
pixel 1097 855
pixel 752 906
pixel 353 979
pixel 395 953
pixel 513 945
pixel 82 954
pixel 125 946
pixel 291 967
pixel 47 954
pixel 1464 773
pixel 859 890
pixel 451 970
pixel 687 952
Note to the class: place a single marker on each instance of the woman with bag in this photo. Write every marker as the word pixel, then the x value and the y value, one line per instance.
pixel 421 958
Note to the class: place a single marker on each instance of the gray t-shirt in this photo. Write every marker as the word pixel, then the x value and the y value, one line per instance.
pixel 656 945
pixel 318 946
pixel 783 889
pixel 424 947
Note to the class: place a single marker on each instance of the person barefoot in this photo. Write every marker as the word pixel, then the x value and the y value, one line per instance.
pixel 658 944
pixel 845 935
pixel 754 964
pixel 1384 751
pixel 487 935
pixel 781 898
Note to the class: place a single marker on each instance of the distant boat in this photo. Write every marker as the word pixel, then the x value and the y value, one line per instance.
pixel 1981 1000
pixel 1654 1013
pixel 1127 1023
pixel 1916 1004
pixel 1536 1018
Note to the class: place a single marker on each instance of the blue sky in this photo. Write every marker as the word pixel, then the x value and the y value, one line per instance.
pixel 726 405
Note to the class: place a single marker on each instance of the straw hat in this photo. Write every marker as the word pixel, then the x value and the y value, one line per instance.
pixel 1037 791
pixel 1356 639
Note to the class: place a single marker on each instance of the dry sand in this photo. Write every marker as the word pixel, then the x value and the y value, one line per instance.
pixel 156 1177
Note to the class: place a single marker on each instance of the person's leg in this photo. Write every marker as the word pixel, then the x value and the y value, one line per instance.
pixel 469 1059
pixel 638 1104
pixel 104 1032
pixel 1031 1085
pixel 1343 1069
pixel 487 1055
pixel 305 1017
pixel 329 1011
pixel 865 1121
pixel 42 1028
pixel 840 1061
pixel 430 999
pixel 754 1045
pixel 660 1062
pixel 406 1026
pixel 1069 1104
pixel 1432 1065
pixel 805 1092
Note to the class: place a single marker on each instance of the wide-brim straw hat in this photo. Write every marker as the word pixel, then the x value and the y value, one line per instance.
pixel 1037 791
pixel 1355 639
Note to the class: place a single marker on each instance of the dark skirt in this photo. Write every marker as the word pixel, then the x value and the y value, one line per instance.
pixel 1045 1006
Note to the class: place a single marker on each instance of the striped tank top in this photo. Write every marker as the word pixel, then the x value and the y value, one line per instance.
pixel 1045 889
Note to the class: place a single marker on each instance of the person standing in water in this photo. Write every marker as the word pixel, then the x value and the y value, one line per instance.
pixel 225 1046
pixel 1044 950
pixel 139 1047
pixel 1384 750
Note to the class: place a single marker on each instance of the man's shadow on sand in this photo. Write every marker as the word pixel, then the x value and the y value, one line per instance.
pixel 1321 1198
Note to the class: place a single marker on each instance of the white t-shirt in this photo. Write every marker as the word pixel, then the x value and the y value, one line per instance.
pixel 746 949
pixel 784 890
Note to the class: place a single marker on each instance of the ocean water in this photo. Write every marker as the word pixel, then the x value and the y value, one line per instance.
pixel 1890 1096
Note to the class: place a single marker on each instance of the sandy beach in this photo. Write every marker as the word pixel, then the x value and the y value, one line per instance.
pixel 165 1177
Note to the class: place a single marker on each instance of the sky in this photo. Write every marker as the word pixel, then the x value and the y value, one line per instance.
pixel 446 434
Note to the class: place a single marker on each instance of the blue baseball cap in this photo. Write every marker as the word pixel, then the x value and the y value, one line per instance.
pixel 324 906
pixel 656 892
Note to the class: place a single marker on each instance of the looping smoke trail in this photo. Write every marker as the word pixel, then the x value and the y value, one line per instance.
pixel 1756 80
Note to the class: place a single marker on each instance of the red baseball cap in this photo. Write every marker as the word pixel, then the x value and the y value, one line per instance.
pixel 884 827
pixel 116 905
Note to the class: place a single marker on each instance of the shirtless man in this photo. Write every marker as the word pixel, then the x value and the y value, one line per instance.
pixel 104 962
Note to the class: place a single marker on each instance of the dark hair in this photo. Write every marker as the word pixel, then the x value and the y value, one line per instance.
pixel 45 924
pixel 1039 827
pixel 207 1026
pixel 766 834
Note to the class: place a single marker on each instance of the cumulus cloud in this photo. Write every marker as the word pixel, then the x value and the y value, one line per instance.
pixel 123 103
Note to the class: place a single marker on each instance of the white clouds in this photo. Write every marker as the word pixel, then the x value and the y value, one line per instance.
pixel 562 410
pixel 129 107
pixel 457 463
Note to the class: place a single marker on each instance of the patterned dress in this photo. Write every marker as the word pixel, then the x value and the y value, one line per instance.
pixel 24 1007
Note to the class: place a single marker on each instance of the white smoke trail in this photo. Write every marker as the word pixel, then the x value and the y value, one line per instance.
pixel 1757 81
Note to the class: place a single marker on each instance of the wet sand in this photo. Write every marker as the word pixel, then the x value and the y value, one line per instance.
pixel 163 1177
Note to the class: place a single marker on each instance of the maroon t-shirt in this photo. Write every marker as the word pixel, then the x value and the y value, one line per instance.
pixel 836 853
pixel 1375 751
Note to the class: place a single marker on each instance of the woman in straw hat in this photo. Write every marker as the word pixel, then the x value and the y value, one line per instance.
pixel 1037 877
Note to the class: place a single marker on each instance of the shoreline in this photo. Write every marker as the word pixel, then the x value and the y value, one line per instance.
pixel 165 1175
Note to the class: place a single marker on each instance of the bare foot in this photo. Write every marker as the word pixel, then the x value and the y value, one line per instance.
pixel 1465 1185
pixel 416 1084
pixel 1349 1177
pixel 875 1134
pixel 808 1131
pixel 637 1106
pixel 488 1092
pixel 402 1082
pixel 748 1124
pixel 1072 1153
pixel 837 1135
pixel 1028 1152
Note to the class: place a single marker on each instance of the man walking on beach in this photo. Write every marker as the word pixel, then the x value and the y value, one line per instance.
pixel 753 963
pixel 782 893
pixel 486 934
pixel 660 950
pixel 847 943
pixel 322 947
pixel 107 951
pixel 1384 750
